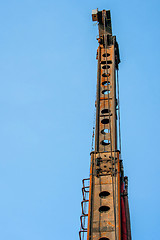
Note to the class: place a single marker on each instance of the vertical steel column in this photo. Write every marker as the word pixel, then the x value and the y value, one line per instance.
pixel 104 221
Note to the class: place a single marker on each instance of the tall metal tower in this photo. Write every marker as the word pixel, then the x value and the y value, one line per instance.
pixel 105 211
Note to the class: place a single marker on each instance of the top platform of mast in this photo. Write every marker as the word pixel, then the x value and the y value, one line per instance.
pixel 103 17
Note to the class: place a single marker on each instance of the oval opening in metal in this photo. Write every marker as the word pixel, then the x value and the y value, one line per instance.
pixel 105 75
pixel 106 92
pixel 105 83
pixel 104 131
pixel 105 142
pixel 109 62
pixel 104 194
pixel 104 238
pixel 103 209
pixel 104 63
pixel 104 67
pixel 105 121
pixel 106 110
pixel 104 55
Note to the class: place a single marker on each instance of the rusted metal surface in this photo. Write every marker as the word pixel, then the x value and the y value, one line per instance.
pixel 128 225
pixel 102 196
pixel 104 219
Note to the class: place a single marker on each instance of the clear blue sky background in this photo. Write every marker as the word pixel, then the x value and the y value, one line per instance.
pixel 47 93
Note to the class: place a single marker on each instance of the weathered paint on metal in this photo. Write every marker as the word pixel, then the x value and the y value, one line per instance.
pixel 104 213
pixel 108 209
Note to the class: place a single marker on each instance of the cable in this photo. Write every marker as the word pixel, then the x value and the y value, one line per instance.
pixel 93 133
pixel 119 112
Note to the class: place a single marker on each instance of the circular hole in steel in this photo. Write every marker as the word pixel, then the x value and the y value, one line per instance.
pixel 104 194
pixel 105 121
pixel 108 62
pixel 105 110
pixel 104 55
pixel 105 67
pixel 105 75
pixel 104 238
pixel 104 209
pixel 104 131
pixel 105 142
pixel 104 63
pixel 106 92
pixel 105 83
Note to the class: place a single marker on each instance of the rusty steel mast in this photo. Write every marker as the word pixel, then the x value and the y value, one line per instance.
pixel 105 210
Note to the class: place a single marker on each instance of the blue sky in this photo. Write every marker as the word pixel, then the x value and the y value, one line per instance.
pixel 47 93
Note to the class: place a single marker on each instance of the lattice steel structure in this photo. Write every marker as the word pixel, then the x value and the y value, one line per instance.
pixel 105 211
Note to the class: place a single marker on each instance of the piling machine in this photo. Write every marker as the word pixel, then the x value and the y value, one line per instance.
pixel 105 209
